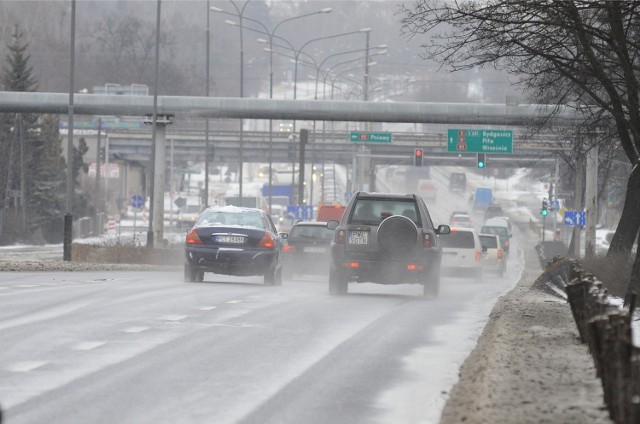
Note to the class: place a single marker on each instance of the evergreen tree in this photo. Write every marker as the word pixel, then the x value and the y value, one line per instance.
pixel 46 183
pixel 17 132
pixel 81 201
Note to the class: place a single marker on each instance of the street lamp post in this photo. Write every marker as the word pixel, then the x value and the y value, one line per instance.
pixel 240 14
pixel 271 34
pixel 206 122
pixel 296 58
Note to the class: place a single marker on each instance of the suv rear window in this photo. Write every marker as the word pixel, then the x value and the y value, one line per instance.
pixel 458 240
pixel 373 211
pixel 490 242
pixel 500 231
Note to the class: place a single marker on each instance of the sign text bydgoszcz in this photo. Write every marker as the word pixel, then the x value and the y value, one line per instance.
pixel 480 141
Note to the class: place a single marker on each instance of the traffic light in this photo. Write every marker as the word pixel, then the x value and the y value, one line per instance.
pixel 417 157
pixel 481 160
pixel 544 211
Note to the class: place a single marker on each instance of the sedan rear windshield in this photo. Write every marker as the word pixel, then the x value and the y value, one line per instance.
pixel 373 211
pixel 458 240
pixel 311 232
pixel 241 218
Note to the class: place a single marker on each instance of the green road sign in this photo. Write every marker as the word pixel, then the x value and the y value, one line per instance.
pixel 371 137
pixel 480 141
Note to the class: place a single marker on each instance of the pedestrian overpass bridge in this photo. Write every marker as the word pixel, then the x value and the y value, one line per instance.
pixel 324 145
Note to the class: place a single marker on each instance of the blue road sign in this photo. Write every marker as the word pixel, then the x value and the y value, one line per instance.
pixel 137 201
pixel 575 218
pixel 554 205
pixel 302 212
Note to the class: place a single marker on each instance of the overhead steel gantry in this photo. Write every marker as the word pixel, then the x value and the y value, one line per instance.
pixel 319 110
pixel 250 108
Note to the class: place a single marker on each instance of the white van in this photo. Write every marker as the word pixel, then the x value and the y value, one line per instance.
pixel 461 253
pixel 500 227
pixel 493 258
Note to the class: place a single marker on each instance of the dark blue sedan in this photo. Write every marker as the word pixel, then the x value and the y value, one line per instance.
pixel 236 241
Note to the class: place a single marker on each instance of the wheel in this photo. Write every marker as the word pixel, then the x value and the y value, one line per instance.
pixel 397 236
pixel 271 276
pixel 431 287
pixel 199 275
pixel 278 279
pixel 287 273
pixel 189 273
pixel 478 277
pixel 337 282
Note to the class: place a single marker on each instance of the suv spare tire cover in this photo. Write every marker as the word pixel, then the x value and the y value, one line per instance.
pixel 397 236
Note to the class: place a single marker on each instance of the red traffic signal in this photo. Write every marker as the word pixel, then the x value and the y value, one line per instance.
pixel 417 157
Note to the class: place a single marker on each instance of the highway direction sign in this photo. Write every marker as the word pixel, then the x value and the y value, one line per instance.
pixel 137 201
pixel 575 218
pixel 480 141
pixel 303 212
pixel 371 137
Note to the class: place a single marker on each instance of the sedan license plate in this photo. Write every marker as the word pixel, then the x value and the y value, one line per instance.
pixel 314 249
pixel 358 237
pixel 229 239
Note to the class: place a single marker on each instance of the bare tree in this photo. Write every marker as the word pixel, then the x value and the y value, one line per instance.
pixel 577 51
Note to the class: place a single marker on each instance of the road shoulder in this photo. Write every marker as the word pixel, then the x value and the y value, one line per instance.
pixel 529 365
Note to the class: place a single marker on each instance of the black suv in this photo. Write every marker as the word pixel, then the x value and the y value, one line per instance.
pixel 493 210
pixel 386 239
pixel 458 181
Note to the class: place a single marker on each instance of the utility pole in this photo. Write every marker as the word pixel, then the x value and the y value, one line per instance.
pixel 591 201
pixel 577 231
pixel 68 217
pixel 304 138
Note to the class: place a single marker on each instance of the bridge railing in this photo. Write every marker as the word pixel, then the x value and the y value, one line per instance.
pixel 606 328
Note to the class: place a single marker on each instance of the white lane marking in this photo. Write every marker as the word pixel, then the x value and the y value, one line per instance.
pixel 207 308
pixel 135 329
pixel 234 301
pixel 27 286
pixel 239 325
pixel 173 317
pixel 88 345
pixel 26 366
pixel 4 288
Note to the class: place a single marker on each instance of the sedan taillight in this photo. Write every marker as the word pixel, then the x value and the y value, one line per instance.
pixel 267 241
pixel 289 249
pixel 341 237
pixel 193 238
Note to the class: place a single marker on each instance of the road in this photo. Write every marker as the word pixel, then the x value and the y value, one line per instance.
pixel 142 347
pixel 145 347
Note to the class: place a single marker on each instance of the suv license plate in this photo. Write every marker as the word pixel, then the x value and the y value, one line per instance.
pixel 358 237
pixel 229 239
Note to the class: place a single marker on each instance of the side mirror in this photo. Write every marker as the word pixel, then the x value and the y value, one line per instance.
pixel 332 225
pixel 443 229
pixel 283 236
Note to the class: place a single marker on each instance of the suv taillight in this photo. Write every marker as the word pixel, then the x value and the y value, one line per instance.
pixel 427 240
pixel 478 255
pixel 341 236
pixel 499 253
